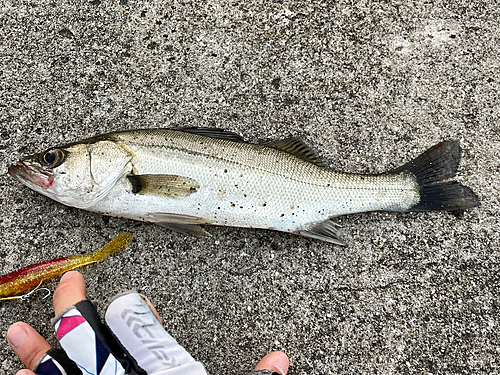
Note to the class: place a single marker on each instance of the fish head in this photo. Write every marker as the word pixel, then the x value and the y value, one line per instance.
pixel 78 175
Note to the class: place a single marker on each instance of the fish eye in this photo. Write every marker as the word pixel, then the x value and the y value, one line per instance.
pixel 53 157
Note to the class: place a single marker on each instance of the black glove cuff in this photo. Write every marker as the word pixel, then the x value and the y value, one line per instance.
pixel 60 357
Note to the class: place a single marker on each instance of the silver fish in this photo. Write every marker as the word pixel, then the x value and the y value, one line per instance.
pixel 182 177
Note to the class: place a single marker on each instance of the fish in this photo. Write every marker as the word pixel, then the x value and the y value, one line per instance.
pixel 180 178
pixel 25 278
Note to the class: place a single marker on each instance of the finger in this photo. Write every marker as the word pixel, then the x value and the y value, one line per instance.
pixel 27 343
pixel 25 372
pixel 71 290
pixel 153 309
pixel 275 362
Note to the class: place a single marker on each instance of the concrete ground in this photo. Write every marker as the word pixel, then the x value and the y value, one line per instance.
pixel 368 84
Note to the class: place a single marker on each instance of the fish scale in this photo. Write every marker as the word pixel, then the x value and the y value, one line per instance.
pixel 270 176
pixel 184 176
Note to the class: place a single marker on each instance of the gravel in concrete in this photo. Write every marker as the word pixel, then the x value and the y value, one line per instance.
pixel 368 84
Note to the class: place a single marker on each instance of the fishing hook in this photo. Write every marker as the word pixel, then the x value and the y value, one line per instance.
pixel 26 296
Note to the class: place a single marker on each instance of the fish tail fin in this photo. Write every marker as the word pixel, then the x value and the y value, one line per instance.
pixel 432 169
pixel 115 245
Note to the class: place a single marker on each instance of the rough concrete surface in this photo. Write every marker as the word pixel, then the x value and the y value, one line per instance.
pixel 368 84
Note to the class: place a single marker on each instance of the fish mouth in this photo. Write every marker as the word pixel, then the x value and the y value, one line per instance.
pixel 32 174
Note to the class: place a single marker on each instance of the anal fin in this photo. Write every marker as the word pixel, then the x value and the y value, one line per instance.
pixel 324 231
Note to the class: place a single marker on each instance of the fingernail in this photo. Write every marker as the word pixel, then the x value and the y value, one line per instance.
pixel 67 275
pixel 16 336
pixel 24 372
pixel 281 363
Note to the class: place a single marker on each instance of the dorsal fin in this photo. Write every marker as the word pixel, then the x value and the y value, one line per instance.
pixel 297 147
pixel 212 133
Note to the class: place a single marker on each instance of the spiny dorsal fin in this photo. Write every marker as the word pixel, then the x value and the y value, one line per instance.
pixel 165 185
pixel 212 133
pixel 297 147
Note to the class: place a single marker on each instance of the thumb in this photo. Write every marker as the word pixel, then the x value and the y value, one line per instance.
pixel 27 343
pixel 275 362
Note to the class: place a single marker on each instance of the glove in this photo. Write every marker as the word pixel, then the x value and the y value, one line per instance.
pixel 131 342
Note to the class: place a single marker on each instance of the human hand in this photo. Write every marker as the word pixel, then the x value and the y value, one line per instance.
pixel 81 335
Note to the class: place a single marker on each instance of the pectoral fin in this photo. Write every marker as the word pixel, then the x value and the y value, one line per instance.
pixel 324 231
pixel 191 229
pixel 170 186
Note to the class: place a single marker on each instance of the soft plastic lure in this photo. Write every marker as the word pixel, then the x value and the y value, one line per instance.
pixel 28 277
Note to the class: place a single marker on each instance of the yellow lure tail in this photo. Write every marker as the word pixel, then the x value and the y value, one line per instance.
pixel 117 244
